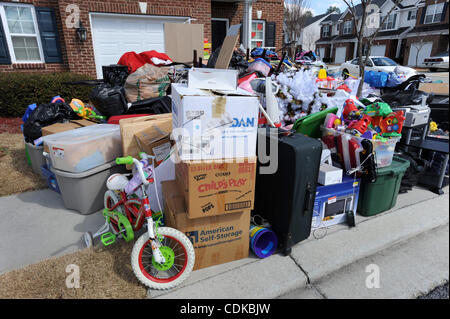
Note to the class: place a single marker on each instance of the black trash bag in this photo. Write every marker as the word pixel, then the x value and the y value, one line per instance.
pixel 415 171
pixel 44 115
pixel 403 98
pixel 108 100
pixel 115 74
pixel 156 105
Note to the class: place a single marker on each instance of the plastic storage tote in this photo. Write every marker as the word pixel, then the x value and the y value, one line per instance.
pixel 310 125
pixel 378 197
pixel 85 148
pixel 84 191
pixel 384 150
pixel 34 154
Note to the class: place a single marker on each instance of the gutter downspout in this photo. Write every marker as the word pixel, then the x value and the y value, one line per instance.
pixel 247 23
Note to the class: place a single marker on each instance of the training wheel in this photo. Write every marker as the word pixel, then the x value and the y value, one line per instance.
pixel 88 239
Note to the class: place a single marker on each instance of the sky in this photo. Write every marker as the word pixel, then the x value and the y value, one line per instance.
pixel 320 6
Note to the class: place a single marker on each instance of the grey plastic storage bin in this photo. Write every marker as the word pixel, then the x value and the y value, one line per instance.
pixel 84 191
pixel 36 157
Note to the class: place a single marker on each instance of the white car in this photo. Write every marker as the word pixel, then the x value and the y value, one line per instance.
pixel 439 61
pixel 375 63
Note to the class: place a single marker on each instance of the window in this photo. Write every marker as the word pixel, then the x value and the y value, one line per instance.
pixel 20 27
pixel 383 62
pixel 434 13
pixel 348 27
pixel 355 61
pixel 326 31
pixel 258 33
pixel 389 24
pixel 412 15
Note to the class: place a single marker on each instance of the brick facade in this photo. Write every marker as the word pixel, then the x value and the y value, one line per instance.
pixel 79 56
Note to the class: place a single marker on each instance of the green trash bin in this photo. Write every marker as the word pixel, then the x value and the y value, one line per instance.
pixel 378 197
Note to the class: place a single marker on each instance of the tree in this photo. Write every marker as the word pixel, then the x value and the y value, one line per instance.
pixel 367 27
pixel 419 46
pixel 295 16
pixel 333 9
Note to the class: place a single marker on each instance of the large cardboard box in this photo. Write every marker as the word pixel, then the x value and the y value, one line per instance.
pixel 62 127
pixel 209 125
pixel 131 127
pixel 217 187
pixel 217 239
pixel 184 39
pixel 155 142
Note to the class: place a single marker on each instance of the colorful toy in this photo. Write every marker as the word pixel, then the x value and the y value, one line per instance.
pixel 361 126
pixel 351 111
pixel 392 125
pixel 162 257
pixel 332 121
pixel 84 111
pixel 378 109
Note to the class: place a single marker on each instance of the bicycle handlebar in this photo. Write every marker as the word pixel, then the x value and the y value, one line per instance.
pixel 124 160
pixel 129 160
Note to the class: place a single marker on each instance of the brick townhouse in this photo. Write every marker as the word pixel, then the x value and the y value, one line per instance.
pixel 40 35
pixel 415 29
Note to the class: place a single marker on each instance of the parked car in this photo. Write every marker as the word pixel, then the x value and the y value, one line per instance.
pixel 375 63
pixel 438 61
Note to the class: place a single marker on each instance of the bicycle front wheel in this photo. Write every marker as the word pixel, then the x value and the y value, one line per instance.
pixel 178 251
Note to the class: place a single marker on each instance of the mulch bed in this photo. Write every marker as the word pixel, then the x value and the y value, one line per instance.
pixel 10 125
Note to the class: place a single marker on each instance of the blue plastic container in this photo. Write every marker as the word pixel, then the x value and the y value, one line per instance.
pixel 50 178
pixel 263 241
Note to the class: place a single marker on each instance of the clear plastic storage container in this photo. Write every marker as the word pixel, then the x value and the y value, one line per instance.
pixel 384 150
pixel 84 148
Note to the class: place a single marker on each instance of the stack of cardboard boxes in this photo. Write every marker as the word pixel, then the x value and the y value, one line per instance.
pixel 211 199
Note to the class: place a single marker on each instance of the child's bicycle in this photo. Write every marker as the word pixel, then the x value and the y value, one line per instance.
pixel 162 257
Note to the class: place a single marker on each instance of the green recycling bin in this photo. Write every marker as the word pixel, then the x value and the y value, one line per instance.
pixel 378 197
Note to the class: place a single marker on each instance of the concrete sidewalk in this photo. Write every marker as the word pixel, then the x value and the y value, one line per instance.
pixel 36 226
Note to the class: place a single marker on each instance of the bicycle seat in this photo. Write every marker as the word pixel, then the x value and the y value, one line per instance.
pixel 117 182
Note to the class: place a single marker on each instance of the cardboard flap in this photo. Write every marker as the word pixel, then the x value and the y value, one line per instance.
pixel 229 43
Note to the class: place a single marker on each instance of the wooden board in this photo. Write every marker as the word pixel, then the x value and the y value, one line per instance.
pixel 229 43
pixel 182 39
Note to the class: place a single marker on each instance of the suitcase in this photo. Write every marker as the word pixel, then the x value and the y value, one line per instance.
pixel 286 198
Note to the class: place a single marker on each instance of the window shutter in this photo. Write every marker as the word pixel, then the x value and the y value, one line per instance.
pixel 424 12
pixel 240 34
pixel 395 21
pixel 270 34
pixel 444 13
pixel 4 53
pixel 49 34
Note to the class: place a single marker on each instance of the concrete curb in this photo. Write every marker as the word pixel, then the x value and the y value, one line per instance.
pixel 313 260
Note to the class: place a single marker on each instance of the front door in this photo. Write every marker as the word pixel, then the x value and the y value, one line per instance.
pixel 218 32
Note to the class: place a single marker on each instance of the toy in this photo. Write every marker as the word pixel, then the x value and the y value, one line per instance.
pixel 351 111
pixel 332 121
pixel 84 111
pixel 392 125
pixel 378 109
pixel 159 250
pixel 361 126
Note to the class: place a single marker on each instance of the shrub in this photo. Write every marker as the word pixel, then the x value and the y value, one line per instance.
pixel 18 90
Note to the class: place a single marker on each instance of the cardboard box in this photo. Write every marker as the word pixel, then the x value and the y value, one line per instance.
pixel 213 126
pixel 329 175
pixel 213 79
pixel 217 239
pixel 217 187
pixel 62 127
pixel 130 127
pixel 155 142
pixel 184 39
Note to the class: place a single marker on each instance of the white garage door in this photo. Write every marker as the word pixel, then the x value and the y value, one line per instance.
pixel 378 50
pixel 421 51
pixel 341 53
pixel 115 34
pixel 322 52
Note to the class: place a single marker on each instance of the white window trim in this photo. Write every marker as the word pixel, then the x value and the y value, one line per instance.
pixel 344 28
pixel 327 32
pixel 387 23
pixel 263 40
pixel 435 6
pixel 222 19
pixel 411 12
pixel 12 54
